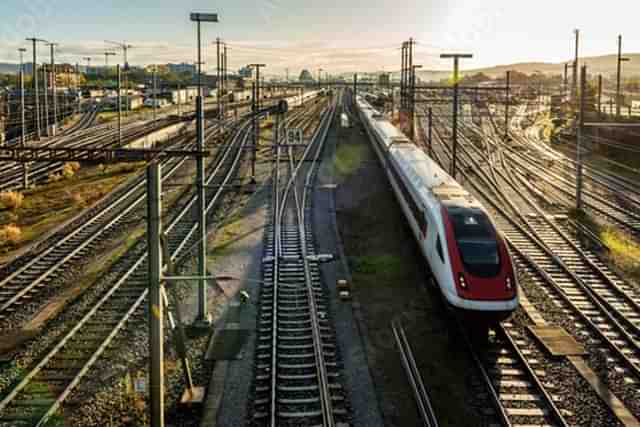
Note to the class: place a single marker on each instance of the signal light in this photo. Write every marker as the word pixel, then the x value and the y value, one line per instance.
pixel 509 284
pixel 463 283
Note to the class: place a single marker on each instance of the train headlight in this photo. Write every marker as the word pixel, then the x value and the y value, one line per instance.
pixel 509 284
pixel 463 283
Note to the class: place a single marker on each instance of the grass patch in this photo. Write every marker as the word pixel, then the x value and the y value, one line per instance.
pixel 47 206
pixel 381 266
pixel 225 237
pixel 624 252
pixel 348 159
pixel 107 116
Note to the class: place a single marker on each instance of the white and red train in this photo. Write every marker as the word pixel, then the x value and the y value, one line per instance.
pixel 467 257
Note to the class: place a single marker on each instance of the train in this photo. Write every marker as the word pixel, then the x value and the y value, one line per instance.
pixel 467 257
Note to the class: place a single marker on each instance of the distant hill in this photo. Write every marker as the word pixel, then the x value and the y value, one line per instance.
pixel 6 68
pixel 605 65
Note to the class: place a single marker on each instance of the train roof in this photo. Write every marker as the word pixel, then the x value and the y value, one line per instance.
pixel 427 178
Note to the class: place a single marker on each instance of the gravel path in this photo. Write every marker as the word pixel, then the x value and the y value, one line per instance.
pixel 358 381
pixel 389 281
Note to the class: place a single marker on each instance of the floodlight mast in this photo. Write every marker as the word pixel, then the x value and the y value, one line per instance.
pixel 203 315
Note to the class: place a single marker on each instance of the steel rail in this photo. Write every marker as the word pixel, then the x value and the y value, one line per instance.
pixel 425 408
pixel 238 140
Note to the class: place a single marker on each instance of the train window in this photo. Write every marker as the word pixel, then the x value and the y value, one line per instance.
pixel 439 249
pixel 416 211
pixel 477 241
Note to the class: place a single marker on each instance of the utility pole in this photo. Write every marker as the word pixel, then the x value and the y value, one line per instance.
pixel 599 95
pixel 574 84
pixel 506 107
pixel 224 81
pixel 413 100
pixel 254 125
pixel 88 59
pixel 403 65
pixel 125 48
pixel 255 122
pixel 618 76
pixel 218 78
pixel 156 309
pixel 429 134
pixel 580 134
pixel 456 57
pixel 23 133
pixel 119 99
pixel 203 314
pixel 45 88
pixel 565 81
pixel 409 78
pixel 319 78
pixel 34 74
pixel 107 54
pixel 355 85
pixel 597 129
pixel 179 99
pixel 77 84
pixel 155 97
pixel 52 46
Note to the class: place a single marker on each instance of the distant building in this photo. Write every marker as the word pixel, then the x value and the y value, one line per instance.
pixel 383 79
pixel 158 102
pixel 135 102
pixel 185 95
pixel 182 68
pixel 305 76
pixel 65 75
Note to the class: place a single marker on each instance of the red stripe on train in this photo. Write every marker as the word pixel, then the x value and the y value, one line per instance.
pixel 479 288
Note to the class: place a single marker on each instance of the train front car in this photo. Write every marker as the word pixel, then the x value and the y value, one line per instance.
pixel 468 258
pixel 482 284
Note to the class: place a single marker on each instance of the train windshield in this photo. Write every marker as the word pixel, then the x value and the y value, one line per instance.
pixel 477 241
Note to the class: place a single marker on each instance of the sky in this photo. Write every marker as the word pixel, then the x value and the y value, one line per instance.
pixel 335 35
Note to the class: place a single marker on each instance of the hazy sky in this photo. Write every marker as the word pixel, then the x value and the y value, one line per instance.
pixel 336 35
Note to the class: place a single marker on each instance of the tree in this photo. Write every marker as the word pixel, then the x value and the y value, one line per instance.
pixel 305 76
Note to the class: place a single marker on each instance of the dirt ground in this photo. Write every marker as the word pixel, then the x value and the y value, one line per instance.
pixel 47 206
pixel 389 282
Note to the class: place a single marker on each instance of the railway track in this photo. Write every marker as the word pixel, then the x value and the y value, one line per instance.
pixel 297 374
pixel 86 120
pixel 96 137
pixel 608 196
pixel 518 386
pixel 27 284
pixel 40 392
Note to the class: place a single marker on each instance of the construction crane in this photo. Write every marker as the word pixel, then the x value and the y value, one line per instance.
pixel 125 48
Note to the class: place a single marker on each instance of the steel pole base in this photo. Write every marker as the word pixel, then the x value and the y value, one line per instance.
pixel 192 397
pixel 203 322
